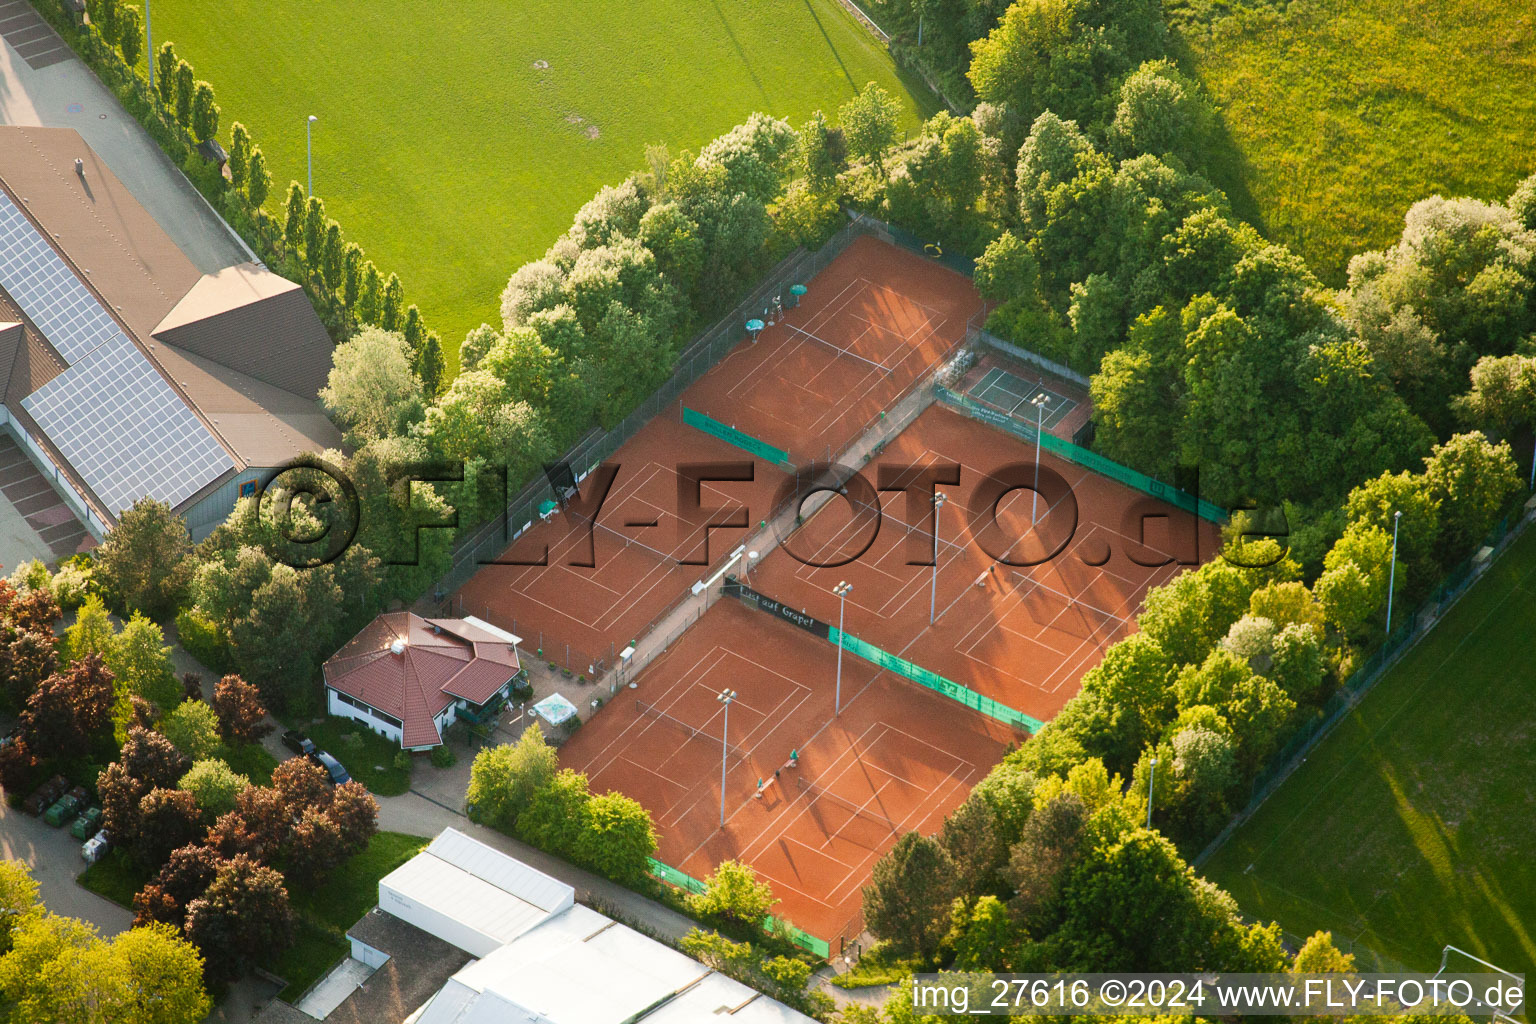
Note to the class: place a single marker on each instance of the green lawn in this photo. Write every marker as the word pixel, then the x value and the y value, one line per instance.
pixel 251 760
pixel 1413 824
pixel 326 912
pixel 368 757
pixel 1342 113
pixel 116 878
pixel 452 158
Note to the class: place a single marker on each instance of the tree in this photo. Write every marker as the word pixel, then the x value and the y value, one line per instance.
pixel 140 561
pixel 1472 480
pixel 1062 55
pixel 69 713
pixel 315 848
pixel 193 729
pixel 351 275
pixel 237 705
pixel 822 152
pixel 331 255
pixel 1038 863
pixel 279 641
pixel 372 390
pixel 970 839
pixel 164 976
pixel 58 969
pixel 151 759
pixel 302 784
pixel 18 899
pixel 1160 112
pixel 205 113
pixel 314 232
pixel 1318 955
pixel 130 35
pixel 733 893
pixel 617 838
pixel 165 73
pixel 356 815
pixel 429 364
pixel 26 659
pixel 778 977
pixel 389 309
pixel 504 779
pixel 984 935
pixel 907 899
pixel 239 154
pixel 214 785
pixel 412 329
pixel 556 814
pixel 293 226
pixel 141 663
pixel 186 88
pixel 370 298
pixel 168 819
pixel 185 876
pixel 91 633
pixel 243 916
pixel 258 180
pixel 869 121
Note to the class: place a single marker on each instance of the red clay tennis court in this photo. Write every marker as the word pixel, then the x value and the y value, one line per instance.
pixel 876 321
pixel 634 573
pixel 897 758
pixel 1023 636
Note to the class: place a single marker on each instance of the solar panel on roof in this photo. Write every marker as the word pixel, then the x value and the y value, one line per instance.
pixel 48 291
pixel 126 432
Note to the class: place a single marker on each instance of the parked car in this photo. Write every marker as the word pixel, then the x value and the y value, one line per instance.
pixel 87 825
pixel 43 797
pixel 63 809
pixel 332 768
pixel 299 743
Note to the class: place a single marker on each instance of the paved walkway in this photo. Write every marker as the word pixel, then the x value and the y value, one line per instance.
pixel 34 521
pixel 66 94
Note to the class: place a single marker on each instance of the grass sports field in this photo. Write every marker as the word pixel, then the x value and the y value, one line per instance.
pixel 1345 112
pixel 1413 824
pixel 452 154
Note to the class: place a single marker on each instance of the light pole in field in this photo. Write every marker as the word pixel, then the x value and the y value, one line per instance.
pixel 841 590
pixel 933 588
pixel 1151 778
pixel 1039 402
pixel 309 150
pixel 149 46
pixel 1392 573
pixel 725 697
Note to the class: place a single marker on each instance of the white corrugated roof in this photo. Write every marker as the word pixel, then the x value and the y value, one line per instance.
pixel 504 872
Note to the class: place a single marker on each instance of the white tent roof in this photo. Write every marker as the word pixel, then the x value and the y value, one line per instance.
pixel 554 709
pixel 579 967
pixel 480 889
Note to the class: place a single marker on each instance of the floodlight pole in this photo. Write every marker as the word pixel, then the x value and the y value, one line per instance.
pixel 1532 484
pixel 149 46
pixel 1151 780
pixel 841 590
pixel 1034 501
pixel 725 698
pixel 933 589
pixel 309 151
pixel 1392 573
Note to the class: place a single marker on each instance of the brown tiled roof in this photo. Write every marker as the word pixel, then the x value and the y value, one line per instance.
pixel 96 223
pixel 434 667
pixel 243 347
pixel 250 320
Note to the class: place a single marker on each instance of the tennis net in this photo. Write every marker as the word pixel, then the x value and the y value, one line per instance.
pixel 625 539
pixel 653 711
pixel 798 332
pixel 806 785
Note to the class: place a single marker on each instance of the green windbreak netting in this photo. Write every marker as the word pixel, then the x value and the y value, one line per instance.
pixel 935 682
pixel 1083 457
pixel 805 940
pixel 746 442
